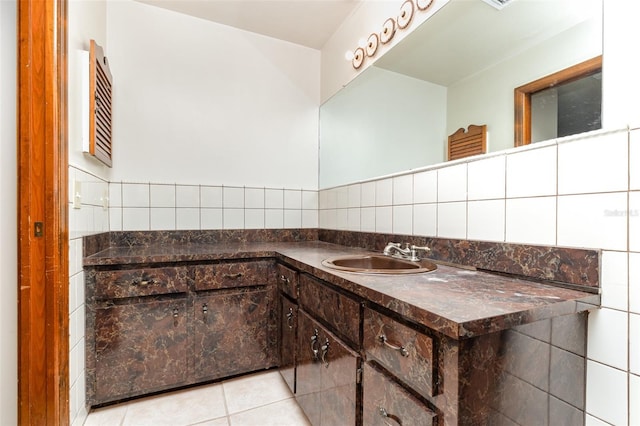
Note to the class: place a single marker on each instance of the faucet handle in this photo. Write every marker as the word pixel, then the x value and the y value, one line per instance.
pixel 414 251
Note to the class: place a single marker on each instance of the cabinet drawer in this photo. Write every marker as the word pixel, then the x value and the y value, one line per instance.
pixel 338 310
pixel 287 281
pixel 386 403
pixel 403 351
pixel 230 275
pixel 141 282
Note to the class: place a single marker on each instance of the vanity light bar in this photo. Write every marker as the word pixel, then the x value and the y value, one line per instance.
pixel 402 21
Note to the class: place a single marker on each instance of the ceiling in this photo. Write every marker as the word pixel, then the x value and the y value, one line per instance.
pixel 306 22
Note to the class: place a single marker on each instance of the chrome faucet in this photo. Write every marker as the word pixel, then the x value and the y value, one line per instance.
pixel 409 252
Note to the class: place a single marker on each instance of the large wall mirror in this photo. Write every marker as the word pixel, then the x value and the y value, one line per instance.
pixel 459 67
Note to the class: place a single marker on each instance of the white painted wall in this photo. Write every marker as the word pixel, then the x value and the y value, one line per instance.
pixel 487 97
pixel 382 122
pixel 8 218
pixel 198 102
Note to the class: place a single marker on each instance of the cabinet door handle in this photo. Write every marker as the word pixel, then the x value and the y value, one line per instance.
pixel 290 316
pixel 383 412
pixel 284 279
pixel 403 351
pixel 314 342
pixel 205 310
pixel 175 316
pixel 234 276
pixel 325 353
pixel 143 281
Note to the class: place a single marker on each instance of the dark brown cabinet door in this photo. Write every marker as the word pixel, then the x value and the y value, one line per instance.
pixel 234 333
pixel 386 403
pixel 140 348
pixel 326 375
pixel 288 327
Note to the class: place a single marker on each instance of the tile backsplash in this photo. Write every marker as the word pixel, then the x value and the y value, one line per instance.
pixel 149 206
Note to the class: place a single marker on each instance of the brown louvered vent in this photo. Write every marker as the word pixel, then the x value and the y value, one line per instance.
pixel 467 143
pixel 100 81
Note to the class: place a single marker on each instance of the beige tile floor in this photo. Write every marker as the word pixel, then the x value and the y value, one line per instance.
pixel 261 399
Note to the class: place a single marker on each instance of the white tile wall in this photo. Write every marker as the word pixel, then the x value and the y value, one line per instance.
pixel 254 198
pixel 292 199
pixel 135 195
pixel 211 196
pixel 425 187
pixel 634 221
pixel 452 183
pixel 354 195
pixel 274 198
pixel 425 219
pixel 403 220
pixel 562 193
pixel 607 395
pixel 531 220
pixel 634 160
pixel 634 282
pixel 452 220
pixel 185 207
pixel 384 219
pixel 486 220
pixel 607 340
pixel 162 195
pixel 187 196
pixel 532 173
pixel 634 395
pixel 634 344
pixel 486 178
pixel 368 194
pixel 593 220
pixel 384 192
pixel 90 218
pixel 232 197
pixel 403 190
pixel 584 167
pixel 614 280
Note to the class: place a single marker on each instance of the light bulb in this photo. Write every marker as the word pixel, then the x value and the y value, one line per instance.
pixel 362 43
pixel 348 55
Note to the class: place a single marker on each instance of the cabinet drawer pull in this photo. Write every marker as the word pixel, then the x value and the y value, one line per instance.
pixel 403 351
pixel 383 412
pixel 143 282
pixel 284 279
pixel 234 276
pixel 314 342
pixel 175 317
pixel 290 318
pixel 325 353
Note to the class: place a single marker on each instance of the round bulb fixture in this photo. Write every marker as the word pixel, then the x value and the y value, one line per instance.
pixel 424 4
pixel 406 14
pixel 388 30
pixel 358 58
pixel 372 44
pixel 348 55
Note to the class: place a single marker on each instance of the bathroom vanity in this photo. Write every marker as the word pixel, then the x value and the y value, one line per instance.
pixel 455 346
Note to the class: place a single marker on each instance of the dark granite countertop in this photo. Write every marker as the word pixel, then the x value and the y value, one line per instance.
pixel 457 302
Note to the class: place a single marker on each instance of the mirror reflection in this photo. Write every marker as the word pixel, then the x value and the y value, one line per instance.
pixel 459 68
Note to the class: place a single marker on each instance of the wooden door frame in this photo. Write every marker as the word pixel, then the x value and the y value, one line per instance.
pixel 522 94
pixel 43 272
